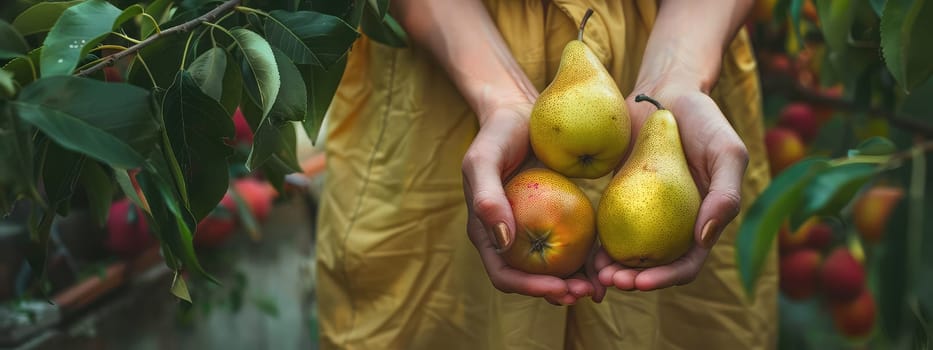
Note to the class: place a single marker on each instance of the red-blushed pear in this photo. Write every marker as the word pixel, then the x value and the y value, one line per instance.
pixel 555 223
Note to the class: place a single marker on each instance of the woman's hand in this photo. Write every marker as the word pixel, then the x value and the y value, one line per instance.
pixel 501 149
pixel 717 159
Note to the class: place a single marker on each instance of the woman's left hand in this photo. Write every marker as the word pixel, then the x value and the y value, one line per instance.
pixel 717 159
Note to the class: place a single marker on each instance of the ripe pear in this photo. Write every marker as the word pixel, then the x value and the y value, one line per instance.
pixel 555 222
pixel 579 125
pixel 647 212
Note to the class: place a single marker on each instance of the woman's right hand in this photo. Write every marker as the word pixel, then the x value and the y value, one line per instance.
pixel 500 149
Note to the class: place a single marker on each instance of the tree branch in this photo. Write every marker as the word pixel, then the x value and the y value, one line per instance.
pixel 181 28
pixel 793 90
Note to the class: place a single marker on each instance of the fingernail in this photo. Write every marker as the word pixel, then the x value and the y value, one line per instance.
pixel 708 236
pixel 501 237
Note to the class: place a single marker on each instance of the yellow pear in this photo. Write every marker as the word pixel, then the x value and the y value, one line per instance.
pixel 580 125
pixel 647 213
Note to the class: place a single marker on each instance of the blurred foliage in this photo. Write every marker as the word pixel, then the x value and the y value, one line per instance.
pixel 858 74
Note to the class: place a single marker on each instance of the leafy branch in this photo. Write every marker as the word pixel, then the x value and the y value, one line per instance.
pixel 210 16
pixel 794 90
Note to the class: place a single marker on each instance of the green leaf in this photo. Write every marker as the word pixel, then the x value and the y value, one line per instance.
pixel 904 27
pixel 163 57
pixel 292 101
pixel 60 171
pixel 180 288
pixel 874 146
pixel 111 122
pixel 197 126
pixel 767 214
pixel 836 18
pixel 128 13
pixel 7 84
pixel 25 69
pixel 171 223
pixel 260 72
pixel 128 187
pixel 219 77
pixel 291 105
pixel 830 190
pixel 78 29
pixel 42 16
pixel 161 11
pixel 310 37
pixel 12 43
pixel 380 7
pixel 16 160
pixel 385 30
pixel 208 72
pixel 99 189
pixel 321 86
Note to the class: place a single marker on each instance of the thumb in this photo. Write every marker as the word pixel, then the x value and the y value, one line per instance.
pixel 486 196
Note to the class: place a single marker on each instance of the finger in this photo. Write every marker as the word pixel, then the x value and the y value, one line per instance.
pixel 592 273
pixel 507 279
pixel 679 272
pixel 624 278
pixel 568 299
pixel 482 173
pixel 606 267
pixel 580 286
pixel 724 198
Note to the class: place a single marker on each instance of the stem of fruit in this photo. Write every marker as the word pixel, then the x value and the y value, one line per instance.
pixel 586 16
pixel 643 97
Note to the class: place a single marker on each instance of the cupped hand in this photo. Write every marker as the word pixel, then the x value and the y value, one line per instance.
pixel 717 159
pixel 500 149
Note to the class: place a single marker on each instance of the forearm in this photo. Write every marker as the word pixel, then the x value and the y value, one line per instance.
pixel 688 41
pixel 466 43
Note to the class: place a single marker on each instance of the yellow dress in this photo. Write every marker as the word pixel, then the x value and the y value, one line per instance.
pixel 395 267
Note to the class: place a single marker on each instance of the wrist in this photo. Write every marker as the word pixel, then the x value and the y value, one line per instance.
pixel 491 100
pixel 668 86
pixel 674 63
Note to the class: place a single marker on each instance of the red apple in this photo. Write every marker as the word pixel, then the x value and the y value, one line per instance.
pixel 813 234
pixel 799 273
pixel 127 232
pixel 820 237
pixel 784 148
pixel 855 319
pixel 842 278
pixel 217 226
pixel 801 118
pixel 258 196
pixel 872 210
pixel 244 135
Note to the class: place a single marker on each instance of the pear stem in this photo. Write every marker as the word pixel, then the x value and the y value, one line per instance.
pixel 643 97
pixel 586 16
